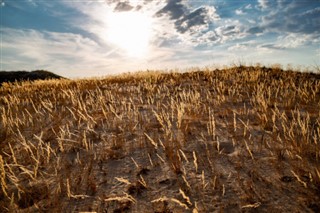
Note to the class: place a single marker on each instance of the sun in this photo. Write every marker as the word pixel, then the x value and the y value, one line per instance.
pixel 130 31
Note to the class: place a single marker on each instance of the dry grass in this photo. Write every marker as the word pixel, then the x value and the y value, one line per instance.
pixel 238 139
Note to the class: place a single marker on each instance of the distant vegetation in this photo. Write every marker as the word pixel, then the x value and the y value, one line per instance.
pixel 240 139
pixel 13 76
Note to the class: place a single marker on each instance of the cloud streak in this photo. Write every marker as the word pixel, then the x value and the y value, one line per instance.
pixel 60 52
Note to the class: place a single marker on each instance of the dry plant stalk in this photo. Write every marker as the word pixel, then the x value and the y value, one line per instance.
pixel 299 179
pixel 125 198
pixel 143 182
pixel 184 156
pixel 187 199
pixel 248 149
pixel 2 177
pixel 135 163
pixel 186 182
pixel 255 205
pixel 195 160
pixel 161 159
pixel 174 200
pixel 211 124
pixel 151 141
pixel 123 180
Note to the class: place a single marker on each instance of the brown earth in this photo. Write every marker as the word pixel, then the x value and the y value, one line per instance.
pixel 242 139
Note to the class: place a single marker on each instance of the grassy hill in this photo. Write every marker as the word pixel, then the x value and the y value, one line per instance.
pixel 16 76
pixel 241 139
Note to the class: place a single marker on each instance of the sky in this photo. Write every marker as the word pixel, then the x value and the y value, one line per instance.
pixel 88 38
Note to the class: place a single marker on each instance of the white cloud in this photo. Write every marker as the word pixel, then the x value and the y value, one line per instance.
pixel 238 47
pixel 32 2
pixel 239 12
pixel 248 7
pixel 59 52
pixel 251 21
pixel 264 4
pixel 292 17
pixel 294 40
pixel 231 31
pixel 244 46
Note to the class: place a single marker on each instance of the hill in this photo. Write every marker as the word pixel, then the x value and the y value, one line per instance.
pixel 13 76
pixel 240 139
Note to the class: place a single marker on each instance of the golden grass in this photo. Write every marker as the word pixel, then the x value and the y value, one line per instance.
pixel 235 139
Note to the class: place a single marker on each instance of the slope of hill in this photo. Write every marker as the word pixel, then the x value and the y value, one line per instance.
pixel 13 76
pixel 242 139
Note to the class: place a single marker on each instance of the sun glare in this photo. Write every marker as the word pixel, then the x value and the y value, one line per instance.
pixel 130 31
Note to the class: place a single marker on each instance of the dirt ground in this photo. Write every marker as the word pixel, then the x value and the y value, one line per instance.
pixel 243 139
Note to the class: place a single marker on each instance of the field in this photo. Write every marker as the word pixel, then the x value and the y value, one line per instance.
pixel 241 139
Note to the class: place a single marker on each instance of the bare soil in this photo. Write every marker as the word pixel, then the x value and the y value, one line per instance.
pixel 242 139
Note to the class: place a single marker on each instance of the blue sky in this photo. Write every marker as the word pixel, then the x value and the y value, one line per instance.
pixel 78 38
